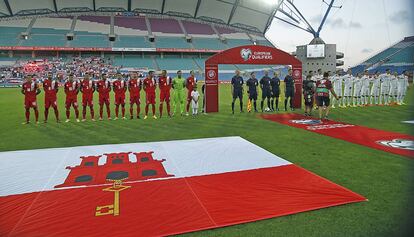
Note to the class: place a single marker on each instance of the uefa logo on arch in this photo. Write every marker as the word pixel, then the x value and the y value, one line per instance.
pixel 245 54
pixel 296 73
pixel 211 74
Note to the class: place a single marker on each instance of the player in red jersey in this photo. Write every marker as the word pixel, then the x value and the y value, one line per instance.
pixel 104 87
pixel 71 90
pixel 149 88
pixel 30 90
pixel 190 83
pixel 87 87
pixel 120 88
pixel 51 88
pixel 165 84
pixel 134 87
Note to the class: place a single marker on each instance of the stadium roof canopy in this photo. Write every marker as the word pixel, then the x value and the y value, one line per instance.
pixel 252 15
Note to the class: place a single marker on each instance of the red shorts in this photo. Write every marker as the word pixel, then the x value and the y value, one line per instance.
pixel 119 100
pixel 87 100
pixel 30 103
pixel 165 96
pixel 71 102
pixel 134 99
pixel 104 100
pixel 189 96
pixel 150 98
pixel 50 101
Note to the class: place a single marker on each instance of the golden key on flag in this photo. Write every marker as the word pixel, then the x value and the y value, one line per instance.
pixel 112 209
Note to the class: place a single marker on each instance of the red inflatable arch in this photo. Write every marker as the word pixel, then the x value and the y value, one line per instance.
pixel 249 54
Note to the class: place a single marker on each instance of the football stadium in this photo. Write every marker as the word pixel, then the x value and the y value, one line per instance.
pixel 206 118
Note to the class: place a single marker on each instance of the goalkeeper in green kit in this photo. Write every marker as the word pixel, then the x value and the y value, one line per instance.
pixel 178 84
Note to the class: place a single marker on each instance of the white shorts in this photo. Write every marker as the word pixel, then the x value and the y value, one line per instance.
pixel 375 91
pixel 393 91
pixel 365 91
pixel 385 90
pixel 399 91
pixel 347 91
pixel 357 92
pixel 338 91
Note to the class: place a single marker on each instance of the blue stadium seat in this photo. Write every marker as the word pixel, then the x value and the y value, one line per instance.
pixel 237 42
pixel 134 61
pixel 208 43
pixel 8 39
pixel 171 42
pixel 11 30
pixel 48 31
pixel 132 42
pixel 90 41
pixel 404 56
pixel 45 40
pixel 176 64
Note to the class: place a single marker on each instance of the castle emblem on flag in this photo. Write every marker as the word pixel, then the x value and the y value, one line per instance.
pixel 117 167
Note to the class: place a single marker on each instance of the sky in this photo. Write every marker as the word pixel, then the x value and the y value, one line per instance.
pixel 360 29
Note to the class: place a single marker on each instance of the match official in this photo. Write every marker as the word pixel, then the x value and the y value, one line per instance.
pixel 237 90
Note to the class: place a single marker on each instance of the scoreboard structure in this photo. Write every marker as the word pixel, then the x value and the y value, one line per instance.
pixel 318 55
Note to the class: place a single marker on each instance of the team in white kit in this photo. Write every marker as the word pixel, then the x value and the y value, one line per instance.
pixel 368 89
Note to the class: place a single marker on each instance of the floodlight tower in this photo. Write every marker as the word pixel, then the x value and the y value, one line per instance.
pixel 316 55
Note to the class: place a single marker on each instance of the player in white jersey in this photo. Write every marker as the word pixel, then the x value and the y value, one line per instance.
pixel 336 81
pixel 348 80
pixel 402 87
pixel 385 87
pixel 365 88
pixel 375 89
pixel 393 88
pixel 357 90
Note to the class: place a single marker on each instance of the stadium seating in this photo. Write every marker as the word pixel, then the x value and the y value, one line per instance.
pixel 237 42
pixel 11 30
pixel 90 41
pixel 404 56
pixel 171 42
pixel 165 26
pixel 48 31
pixel 208 43
pixel 134 61
pixel 45 40
pixel 398 57
pixel 198 28
pixel 176 64
pixel 8 39
pixel 137 23
pixel 132 42
pixel 131 32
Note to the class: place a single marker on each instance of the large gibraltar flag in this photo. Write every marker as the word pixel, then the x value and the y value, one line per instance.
pixel 153 189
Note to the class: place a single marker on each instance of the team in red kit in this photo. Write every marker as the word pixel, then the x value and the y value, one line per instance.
pixel 87 87
pixel 120 87
pixel 71 90
pixel 51 88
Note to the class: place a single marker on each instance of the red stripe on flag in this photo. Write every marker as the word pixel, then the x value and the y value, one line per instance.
pixel 369 137
pixel 172 206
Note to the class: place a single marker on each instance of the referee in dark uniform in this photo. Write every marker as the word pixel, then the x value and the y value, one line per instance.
pixel 289 90
pixel 275 84
pixel 266 91
pixel 252 84
pixel 237 90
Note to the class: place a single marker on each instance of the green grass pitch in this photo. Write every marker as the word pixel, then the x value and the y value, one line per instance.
pixel 382 177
